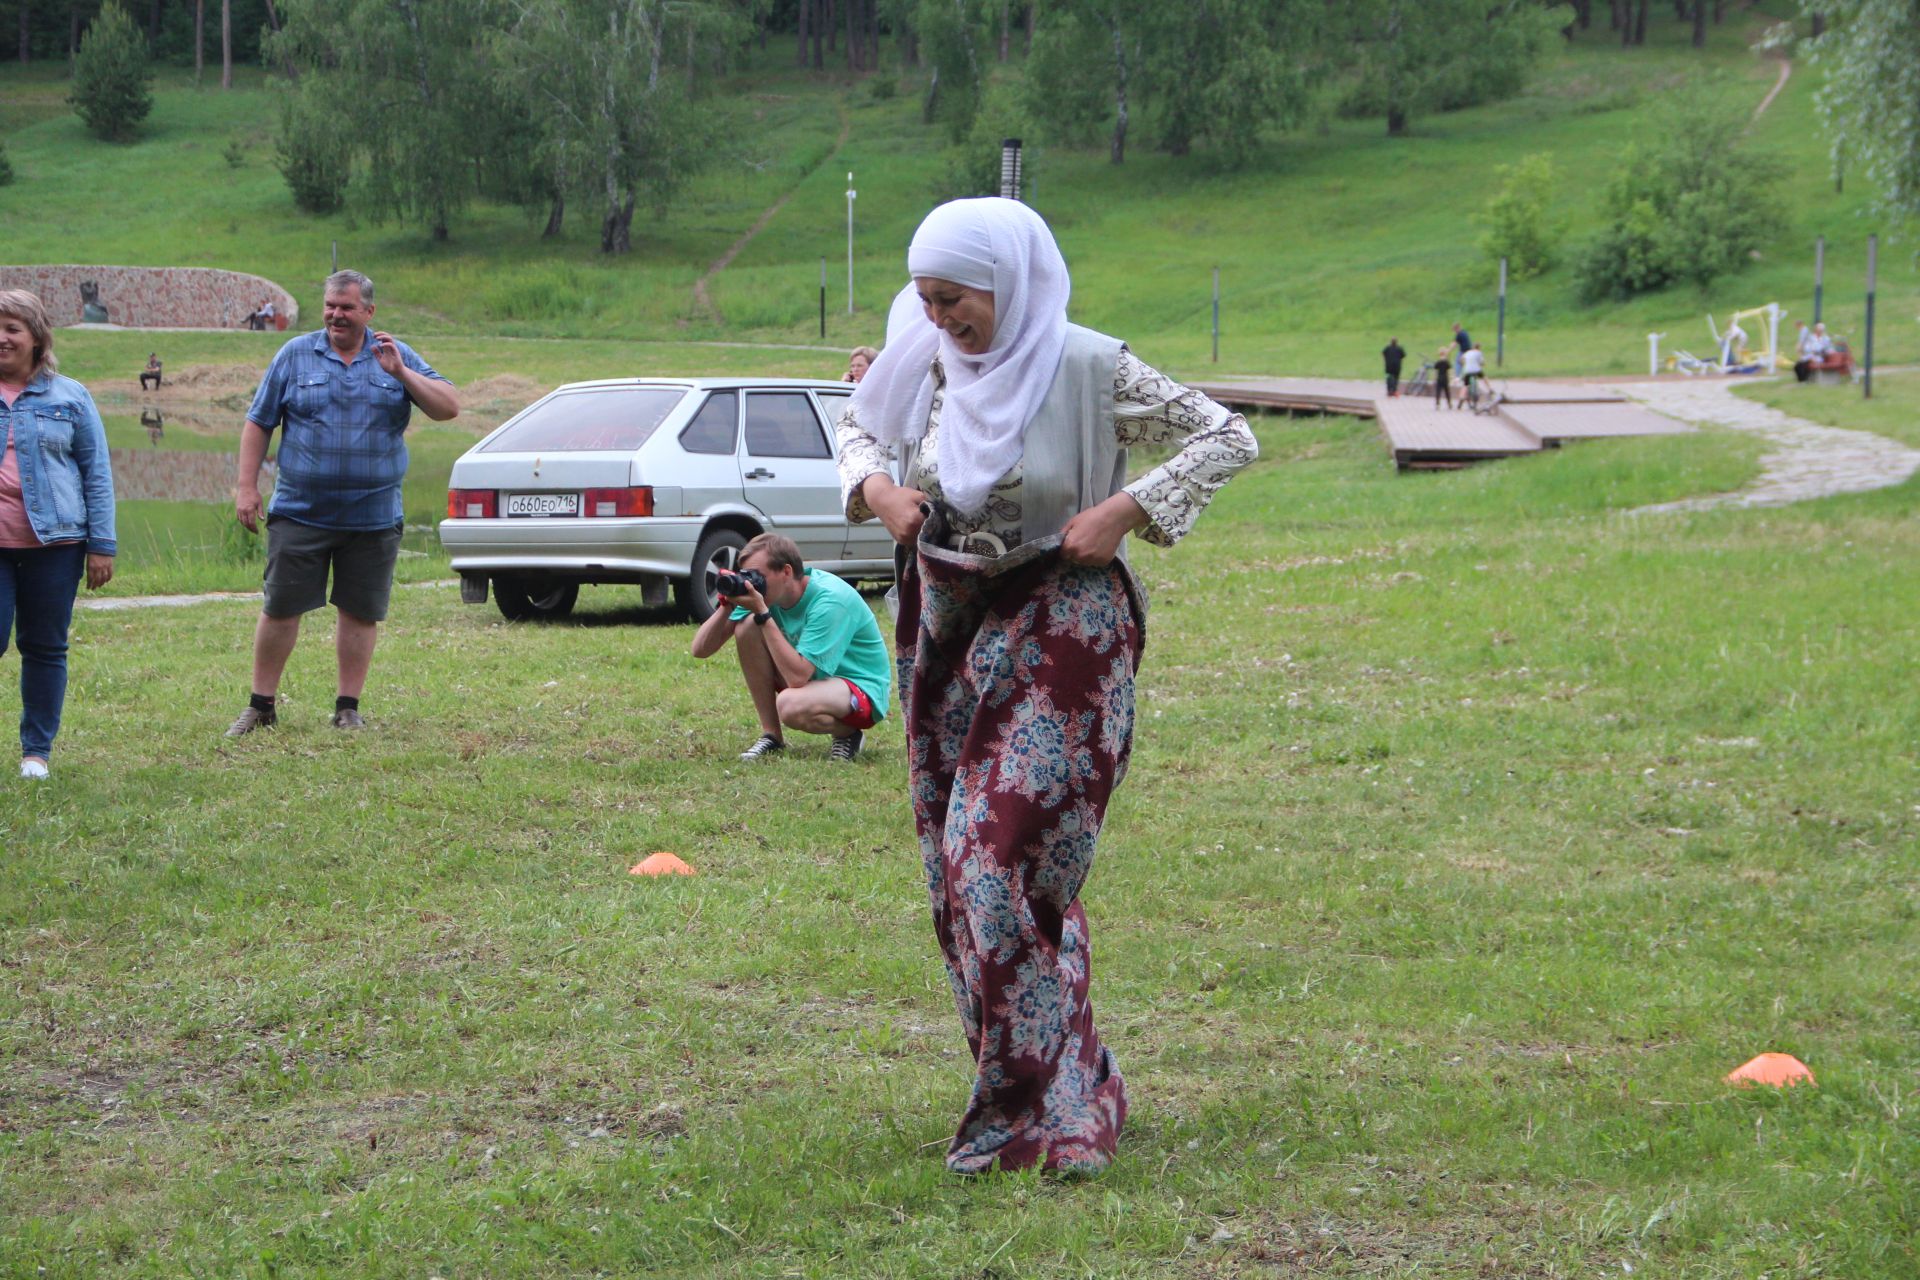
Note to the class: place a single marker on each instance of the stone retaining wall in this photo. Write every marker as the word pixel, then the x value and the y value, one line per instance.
pixel 154 297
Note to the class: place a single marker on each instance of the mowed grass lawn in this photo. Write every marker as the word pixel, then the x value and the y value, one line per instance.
pixel 1476 829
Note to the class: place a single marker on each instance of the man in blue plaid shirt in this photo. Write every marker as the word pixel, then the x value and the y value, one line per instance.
pixel 343 395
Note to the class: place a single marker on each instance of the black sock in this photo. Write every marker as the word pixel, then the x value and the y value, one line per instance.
pixel 344 703
pixel 261 702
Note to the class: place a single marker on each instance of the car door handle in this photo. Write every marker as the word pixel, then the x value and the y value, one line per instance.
pixel 759 473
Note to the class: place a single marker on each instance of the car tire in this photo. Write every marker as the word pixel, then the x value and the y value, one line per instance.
pixel 525 599
pixel 720 549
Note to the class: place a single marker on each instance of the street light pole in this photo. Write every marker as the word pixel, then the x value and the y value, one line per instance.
pixel 850 194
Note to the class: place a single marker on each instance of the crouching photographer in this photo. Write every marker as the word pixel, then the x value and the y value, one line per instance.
pixel 809 647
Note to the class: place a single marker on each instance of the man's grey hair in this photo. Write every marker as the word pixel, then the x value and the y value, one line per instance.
pixel 341 279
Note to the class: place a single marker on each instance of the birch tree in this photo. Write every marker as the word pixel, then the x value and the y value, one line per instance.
pixel 1870 103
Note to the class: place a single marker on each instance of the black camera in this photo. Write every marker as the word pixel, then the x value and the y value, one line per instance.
pixel 734 584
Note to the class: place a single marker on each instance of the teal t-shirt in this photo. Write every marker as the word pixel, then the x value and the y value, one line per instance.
pixel 832 627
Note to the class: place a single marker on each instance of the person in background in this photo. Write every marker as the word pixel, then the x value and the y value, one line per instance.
pixel 1473 363
pixel 858 362
pixel 1442 366
pixel 344 394
pixel 810 650
pixel 1461 340
pixel 56 515
pixel 1394 355
pixel 151 372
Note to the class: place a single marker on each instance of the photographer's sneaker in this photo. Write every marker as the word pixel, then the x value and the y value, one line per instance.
pixel 846 750
pixel 767 745
pixel 250 719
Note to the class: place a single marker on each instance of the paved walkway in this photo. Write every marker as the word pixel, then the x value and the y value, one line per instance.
pixel 1805 461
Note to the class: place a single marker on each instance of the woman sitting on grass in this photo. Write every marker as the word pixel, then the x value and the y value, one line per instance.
pixel 56 515
pixel 1019 632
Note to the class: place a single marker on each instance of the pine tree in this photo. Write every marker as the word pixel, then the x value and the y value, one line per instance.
pixel 112 78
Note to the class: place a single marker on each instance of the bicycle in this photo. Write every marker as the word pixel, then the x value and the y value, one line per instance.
pixel 1421 383
pixel 1484 397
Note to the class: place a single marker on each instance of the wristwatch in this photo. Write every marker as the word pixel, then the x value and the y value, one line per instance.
pixel 763 617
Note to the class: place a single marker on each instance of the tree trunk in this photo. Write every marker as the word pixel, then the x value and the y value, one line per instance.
pixel 199 39
pixel 1699 24
pixel 153 25
pixel 556 216
pixel 1819 29
pixel 226 44
pixel 1119 150
pixel 853 33
pixel 26 32
pixel 1719 10
pixel 287 68
pixel 1640 24
pixel 1033 12
pixel 832 26
pixel 616 229
pixel 1583 13
pixel 819 45
pixel 1006 28
pixel 1396 120
pixel 73 35
pixel 931 103
pixel 800 48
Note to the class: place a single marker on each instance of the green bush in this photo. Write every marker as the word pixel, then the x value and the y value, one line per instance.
pixel 6 168
pixel 112 78
pixel 1519 226
pixel 1693 207
pixel 883 87
pixel 234 153
pixel 973 167
pixel 313 157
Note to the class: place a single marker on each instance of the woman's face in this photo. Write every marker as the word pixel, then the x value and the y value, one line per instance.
pixel 966 314
pixel 16 349
pixel 856 368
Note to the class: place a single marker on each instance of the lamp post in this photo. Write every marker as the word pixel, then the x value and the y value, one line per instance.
pixel 850 195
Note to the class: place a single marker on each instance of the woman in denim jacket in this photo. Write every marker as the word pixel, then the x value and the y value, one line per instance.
pixel 56 515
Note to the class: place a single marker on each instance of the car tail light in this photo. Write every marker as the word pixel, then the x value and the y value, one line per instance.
pixel 636 501
pixel 472 504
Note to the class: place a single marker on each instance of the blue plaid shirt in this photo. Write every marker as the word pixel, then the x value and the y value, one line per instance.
pixel 344 451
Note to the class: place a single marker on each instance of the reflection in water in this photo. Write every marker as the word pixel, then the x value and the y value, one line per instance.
pixel 175 475
pixel 154 422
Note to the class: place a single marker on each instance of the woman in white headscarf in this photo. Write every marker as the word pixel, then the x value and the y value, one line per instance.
pixel 1019 632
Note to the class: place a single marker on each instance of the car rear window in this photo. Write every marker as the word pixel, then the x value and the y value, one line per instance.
pixel 610 418
pixel 783 425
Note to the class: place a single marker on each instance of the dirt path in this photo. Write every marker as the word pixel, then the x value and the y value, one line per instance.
pixel 1780 82
pixel 113 604
pixel 721 263
pixel 1805 460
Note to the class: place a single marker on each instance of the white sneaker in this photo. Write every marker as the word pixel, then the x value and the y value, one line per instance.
pixel 33 769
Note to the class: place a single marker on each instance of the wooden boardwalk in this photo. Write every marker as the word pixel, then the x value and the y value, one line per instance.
pixel 1533 416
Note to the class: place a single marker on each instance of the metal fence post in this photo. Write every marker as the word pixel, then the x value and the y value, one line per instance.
pixel 1500 336
pixel 1216 315
pixel 1873 261
pixel 1819 274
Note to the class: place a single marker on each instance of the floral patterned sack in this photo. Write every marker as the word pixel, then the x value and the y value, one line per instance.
pixel 1016 674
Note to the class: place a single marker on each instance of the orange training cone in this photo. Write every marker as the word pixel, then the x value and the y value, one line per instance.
pixel 663 864
pixel 1781 1070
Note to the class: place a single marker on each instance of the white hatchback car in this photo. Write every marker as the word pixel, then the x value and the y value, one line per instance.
pixel 654 481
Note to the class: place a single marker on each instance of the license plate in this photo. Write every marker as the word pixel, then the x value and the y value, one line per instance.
pixel 543 504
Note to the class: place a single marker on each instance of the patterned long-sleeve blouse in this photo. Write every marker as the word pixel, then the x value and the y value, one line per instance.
pixel 1149 408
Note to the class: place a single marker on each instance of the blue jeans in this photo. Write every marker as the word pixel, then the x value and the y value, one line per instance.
pixel 37 587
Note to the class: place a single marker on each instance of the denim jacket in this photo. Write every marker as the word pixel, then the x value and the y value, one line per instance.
pixel 66 476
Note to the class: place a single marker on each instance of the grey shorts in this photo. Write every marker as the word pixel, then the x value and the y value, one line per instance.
pixel 300 555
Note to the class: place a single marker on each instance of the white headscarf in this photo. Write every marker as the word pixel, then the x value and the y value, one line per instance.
pixel 1003 247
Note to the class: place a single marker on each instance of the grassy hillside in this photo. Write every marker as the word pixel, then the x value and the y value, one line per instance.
pixel 1333 238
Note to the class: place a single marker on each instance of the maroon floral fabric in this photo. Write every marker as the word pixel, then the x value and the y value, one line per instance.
pixel 1017 683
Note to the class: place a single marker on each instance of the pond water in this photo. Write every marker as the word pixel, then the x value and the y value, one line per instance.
pixel 173 471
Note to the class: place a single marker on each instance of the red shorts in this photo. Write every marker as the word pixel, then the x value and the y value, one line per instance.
pixel 861 717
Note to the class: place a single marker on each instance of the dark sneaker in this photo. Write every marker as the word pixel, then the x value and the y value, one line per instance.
pixel 846 750
pixel 765 746
pixel 250 719
pixel 348 718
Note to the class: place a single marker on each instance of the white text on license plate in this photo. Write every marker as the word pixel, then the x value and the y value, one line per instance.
pixel 543 504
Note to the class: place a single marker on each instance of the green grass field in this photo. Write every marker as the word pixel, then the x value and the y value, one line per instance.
pixel 1476 829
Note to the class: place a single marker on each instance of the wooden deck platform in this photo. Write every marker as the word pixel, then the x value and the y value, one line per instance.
pixel 1300 395
pixel 1533 416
